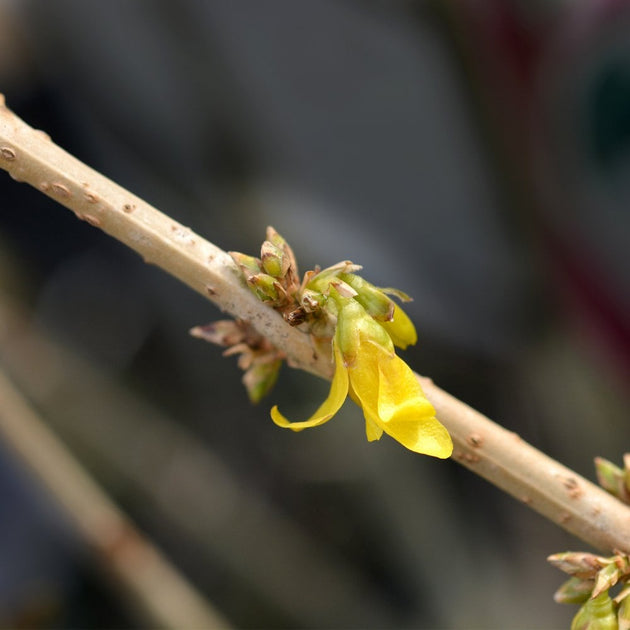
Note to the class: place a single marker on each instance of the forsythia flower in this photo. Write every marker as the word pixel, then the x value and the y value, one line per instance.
pixel 380 382
pixel 364 323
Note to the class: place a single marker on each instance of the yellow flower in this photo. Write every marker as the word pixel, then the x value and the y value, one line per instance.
pixel 380 382
pixel 400 329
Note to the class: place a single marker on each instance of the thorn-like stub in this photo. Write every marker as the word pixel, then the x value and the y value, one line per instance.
pixel 59 189
pixel 92 220
pixel 7 153
pixel 572 487
pixel 475 440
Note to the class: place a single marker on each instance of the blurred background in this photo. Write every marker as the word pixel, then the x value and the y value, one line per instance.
pixel 475 154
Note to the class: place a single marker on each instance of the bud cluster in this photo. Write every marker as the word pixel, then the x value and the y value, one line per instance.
pixel 357 325
pixel 274 279
pixel 592 578
pixel 274 276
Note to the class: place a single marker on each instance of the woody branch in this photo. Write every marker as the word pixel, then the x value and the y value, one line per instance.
pixel 484 447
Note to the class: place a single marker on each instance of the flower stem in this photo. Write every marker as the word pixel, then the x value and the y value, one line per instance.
pixel 484 447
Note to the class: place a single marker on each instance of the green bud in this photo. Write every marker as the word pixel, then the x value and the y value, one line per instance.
pixel 312 301
pixel 322 278
pixel 623 614
pixel 247 264
pixel 579 563
pixel 260 378
pixel 266 287
pixel 289 262
pixel 274 262
pixel 610 477
pixel 574 591
pixel 275 239
pixel 372 299
pixel 355 326
pixel 596 614
pixel 349 316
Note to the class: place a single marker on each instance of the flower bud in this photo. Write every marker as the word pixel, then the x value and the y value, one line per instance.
pixel 266 287
pixel 596 614
pixel 574 591
pixel 611 477
pixel 354 327
pixel 382 308
pixel 275 239
pixel 273 260
pixel 372 299
pixel 289 257
pixel 247 264
pixel 579 563
pixel 311 301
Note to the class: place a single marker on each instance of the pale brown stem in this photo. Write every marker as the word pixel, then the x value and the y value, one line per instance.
pixel 30 156
pixel 538 481
pixel 161 597
pixel 486 448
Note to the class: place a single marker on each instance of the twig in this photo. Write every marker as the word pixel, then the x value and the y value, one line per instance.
pixel 160 595
pixel 503 458
pixel 538 481
pixel 30 156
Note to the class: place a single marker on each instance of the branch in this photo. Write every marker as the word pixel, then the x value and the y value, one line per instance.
pixel 487 449
pixel 30 156
pixel 160 595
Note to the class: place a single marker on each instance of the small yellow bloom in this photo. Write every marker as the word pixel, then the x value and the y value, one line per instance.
pixel 382 384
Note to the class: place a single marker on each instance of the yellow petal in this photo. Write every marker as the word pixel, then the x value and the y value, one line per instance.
pixel 392 399
pixel 372 430
pixel 399 391
pixel 406 414
pixel 427 437
pixel 332 404
pixel 364 375
pixel 401 329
